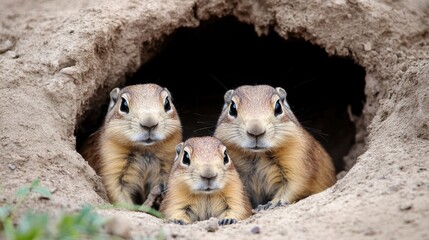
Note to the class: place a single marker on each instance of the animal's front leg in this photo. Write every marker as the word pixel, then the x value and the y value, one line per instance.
pixel 229 217
pixel 281 198
pixel 154 197
pixel 284 196
pixel 180 217
pixel 118 194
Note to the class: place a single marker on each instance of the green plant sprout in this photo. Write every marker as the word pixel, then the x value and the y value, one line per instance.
pixel 85 224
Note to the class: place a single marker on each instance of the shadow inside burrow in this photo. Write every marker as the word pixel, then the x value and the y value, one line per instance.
pixel 198 65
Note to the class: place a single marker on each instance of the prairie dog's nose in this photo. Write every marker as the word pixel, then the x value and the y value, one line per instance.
pixel 208 174
pixel 149 123
pixel 255 128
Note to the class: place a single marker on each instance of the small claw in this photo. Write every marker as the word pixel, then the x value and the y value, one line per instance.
pixel 178 221
pixel 227 221
pixel 269 205
pixel 280 203
pixel 257 209
pixel 261 207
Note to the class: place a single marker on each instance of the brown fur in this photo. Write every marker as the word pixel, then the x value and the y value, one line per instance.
pixel 289 164
pixel 186 201
pixel 129 166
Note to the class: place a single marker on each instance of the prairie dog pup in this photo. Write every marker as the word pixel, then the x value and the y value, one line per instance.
pixel 134 148
pixel 203 183
pixel 277 159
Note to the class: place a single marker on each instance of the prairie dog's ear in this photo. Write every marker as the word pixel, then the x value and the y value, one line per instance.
pixel 282 94
pixel 227 98
pixel 178 150
pixel 114 94
pixel 169 93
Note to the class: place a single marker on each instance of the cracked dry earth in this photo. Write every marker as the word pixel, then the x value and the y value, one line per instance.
pixel 56 56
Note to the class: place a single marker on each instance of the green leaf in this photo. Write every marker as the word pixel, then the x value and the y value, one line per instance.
pixel 133 207
pixel 23 192
pixel 42 191
pixel 35 183
pixel 65 227
pixel 32 226
pixel 84 223
pixel 5 212
pixel 151 211
pixel 9 230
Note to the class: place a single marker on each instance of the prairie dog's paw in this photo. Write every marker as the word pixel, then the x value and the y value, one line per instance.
pixel 269 205
pixel 227 221
pixel 262 207
pixel 280 203
pixel 154 197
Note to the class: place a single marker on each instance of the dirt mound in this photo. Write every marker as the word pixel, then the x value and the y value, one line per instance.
pixel 59 59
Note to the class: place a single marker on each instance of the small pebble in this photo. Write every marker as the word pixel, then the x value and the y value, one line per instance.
pixel 408 221
pixel 341 175
pixel 212 225
pixel 255 230
pixel 394 188
pixel 12 54
pixel 11 166
pixel 119 226
pixel 405 206
pixel 6 45
pixel 367 46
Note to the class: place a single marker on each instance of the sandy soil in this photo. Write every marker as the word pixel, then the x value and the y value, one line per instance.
pixel 55 55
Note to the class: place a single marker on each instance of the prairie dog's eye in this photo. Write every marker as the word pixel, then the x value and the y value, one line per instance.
pixel 167 105
pixel 186 160
pixel 278 108
pixel 233 109
pixel 225 158
pixel 124 105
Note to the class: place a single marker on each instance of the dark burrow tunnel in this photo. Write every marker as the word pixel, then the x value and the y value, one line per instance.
pixel 199 64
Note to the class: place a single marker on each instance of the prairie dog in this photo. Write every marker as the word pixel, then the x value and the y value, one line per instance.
pixel 203 183
pixel 277 159
pixel 134 149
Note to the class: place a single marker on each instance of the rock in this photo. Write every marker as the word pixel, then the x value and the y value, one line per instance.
pixel 405 206
pixel 212 225
pixel 367 46
pixel 11 166
pixel 12 54
pixel 6 43
pixel 255 230
pixel 119 226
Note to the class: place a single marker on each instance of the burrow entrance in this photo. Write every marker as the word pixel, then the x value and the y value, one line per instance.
pixel 199 64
